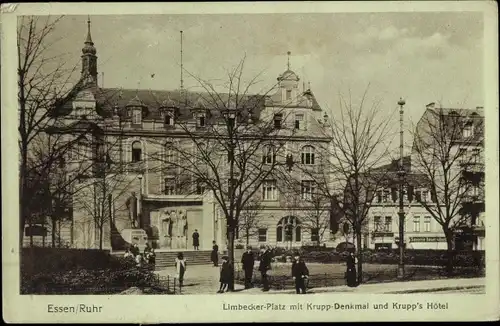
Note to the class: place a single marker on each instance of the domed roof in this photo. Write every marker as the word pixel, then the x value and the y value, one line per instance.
pixel 288 75
pixel 169 103
pixel 199 103
pixel 136 101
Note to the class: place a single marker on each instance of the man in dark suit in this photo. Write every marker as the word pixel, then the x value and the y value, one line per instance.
pixel 300 273
pixel 248 261
pixel 264 267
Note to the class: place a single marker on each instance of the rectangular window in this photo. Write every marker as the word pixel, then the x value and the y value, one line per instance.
pixel 377 222
pixel 476 152
pixel 262 235
pixel 314 234
pixel 231 183
pixel 307 190
pixel 269 156
pixel 379 196
pixel 416 224
pixel 425 195
pixel 201 121
pixel 230 123
pixel 388 224
pixel 170 186
pixel 418 195
pixel 299 121
pixel 387 194
pixel 277 120
pixel 462 154
pixel 269 191
pixel 136 116
pixel 288 94
pixel 427 224
pixel 200 188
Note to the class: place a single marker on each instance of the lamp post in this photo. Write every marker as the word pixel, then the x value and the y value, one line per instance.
pixel 401 213
pixel 139 202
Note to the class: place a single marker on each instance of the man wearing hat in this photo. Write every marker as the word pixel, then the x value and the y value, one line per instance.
pixel 300 274
pixel 264 267
pixel 247 262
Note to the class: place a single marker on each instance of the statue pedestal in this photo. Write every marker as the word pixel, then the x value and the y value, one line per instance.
pixel 178 242
pixel 133 236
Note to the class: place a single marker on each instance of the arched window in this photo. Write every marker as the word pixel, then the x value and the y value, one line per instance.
pixel 308 155
pixel 269 154
pixel 288 230
pixel 136 151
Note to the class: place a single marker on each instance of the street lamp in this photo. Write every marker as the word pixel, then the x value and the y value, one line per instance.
pixel 139 206
pixel 401 213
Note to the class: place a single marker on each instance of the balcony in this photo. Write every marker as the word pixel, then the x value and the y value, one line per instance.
pixel 382 234
pixel 472 166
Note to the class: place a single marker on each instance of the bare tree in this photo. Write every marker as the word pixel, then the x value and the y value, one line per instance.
pixel 43 80
pixel 231 148
pixel 360 141
pixel 250 221
pixel 447 150
pixel 316 217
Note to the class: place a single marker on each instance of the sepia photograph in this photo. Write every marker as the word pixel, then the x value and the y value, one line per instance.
pixel 325 154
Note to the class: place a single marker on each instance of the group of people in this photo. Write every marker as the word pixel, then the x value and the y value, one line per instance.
pixel 299 270
pixel 147 258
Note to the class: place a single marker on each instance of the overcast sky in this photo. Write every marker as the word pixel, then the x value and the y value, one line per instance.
pixel 423 57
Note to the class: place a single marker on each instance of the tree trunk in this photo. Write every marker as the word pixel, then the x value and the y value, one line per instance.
pixel 53 233
pixel 247 236
pixel 450 252
pixel 230 253
pixel 359 255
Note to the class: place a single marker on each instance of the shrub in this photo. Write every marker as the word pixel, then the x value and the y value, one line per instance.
pixel 118 275
pixel 239 246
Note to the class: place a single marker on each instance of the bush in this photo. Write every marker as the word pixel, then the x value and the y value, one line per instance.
pixel 239 246
pixel 120 274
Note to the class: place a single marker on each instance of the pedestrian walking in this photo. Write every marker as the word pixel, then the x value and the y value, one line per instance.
pixel 264 267
pixel 180 267
pixel 350 275
pixel 214 256
pixel 196 240
pixel 300 274
pixel 225 274
pixel 248 261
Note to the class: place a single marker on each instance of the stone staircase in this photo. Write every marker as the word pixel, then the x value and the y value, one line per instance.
pixel 166 259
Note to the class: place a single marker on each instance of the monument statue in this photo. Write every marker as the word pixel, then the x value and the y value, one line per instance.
pixel 132 209
pixel 181 224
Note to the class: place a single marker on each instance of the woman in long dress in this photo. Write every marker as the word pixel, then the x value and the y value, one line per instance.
pixel 350 274
pixel 180 266
pixel 214 256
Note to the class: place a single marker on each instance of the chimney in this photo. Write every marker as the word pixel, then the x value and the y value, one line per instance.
pixel 430 105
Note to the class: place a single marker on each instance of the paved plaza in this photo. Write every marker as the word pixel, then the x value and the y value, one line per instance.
pixel 204 279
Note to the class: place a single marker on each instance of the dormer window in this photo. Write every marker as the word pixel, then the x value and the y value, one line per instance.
pixel 277 120
pixel 136 116
pixel 288 94
pixel 468 130
pixel 299 121
pixel 201 120
pixel 168 118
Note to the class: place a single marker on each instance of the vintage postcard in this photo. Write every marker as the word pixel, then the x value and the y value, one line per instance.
pixel 235 162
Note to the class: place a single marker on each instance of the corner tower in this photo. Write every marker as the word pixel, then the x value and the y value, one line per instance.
pixel 89 58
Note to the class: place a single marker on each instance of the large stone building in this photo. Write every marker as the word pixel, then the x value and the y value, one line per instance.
pixel 451 139
pixel 124 139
